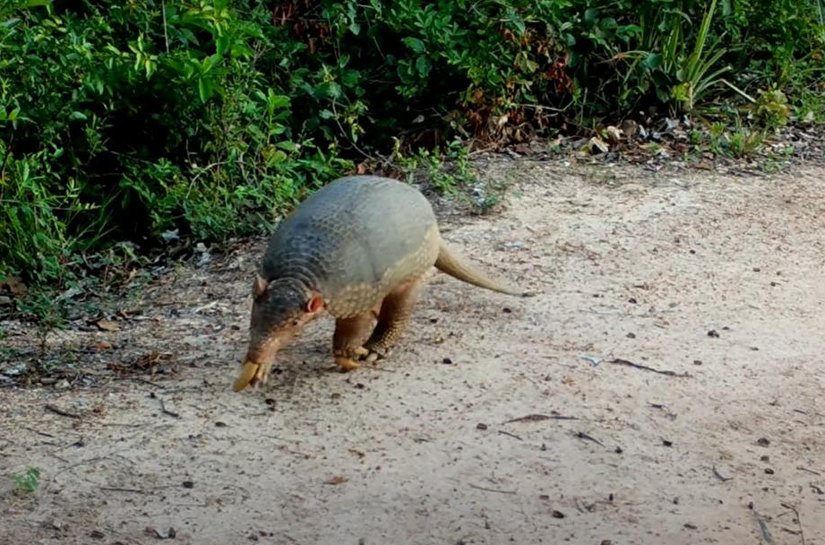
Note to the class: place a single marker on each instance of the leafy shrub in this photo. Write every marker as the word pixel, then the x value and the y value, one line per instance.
pixel 135 121
pixel 125 122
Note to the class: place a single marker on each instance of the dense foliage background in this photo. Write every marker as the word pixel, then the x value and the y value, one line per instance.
pixel 126 124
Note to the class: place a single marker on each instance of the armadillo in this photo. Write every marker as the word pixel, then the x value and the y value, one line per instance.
pixel 358 248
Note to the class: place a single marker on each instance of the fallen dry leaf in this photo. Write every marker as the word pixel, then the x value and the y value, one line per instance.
pixel 595 144
pixel 14 285
pixel 147 360
pixel 108 325
pixel 614 134
pixel 338 479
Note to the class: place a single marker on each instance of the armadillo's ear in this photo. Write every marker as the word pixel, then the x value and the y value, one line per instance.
pixel 315 304
pixel 259 286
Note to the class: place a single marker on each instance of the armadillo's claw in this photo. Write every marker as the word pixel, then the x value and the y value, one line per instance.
pixel 249 372
pixel 346 364
pixel 351 358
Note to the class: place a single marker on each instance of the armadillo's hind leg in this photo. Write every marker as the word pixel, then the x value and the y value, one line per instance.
pixel 393 320
pixel 349 336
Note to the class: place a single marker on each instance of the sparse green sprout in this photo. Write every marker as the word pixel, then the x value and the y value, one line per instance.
pixel 27 482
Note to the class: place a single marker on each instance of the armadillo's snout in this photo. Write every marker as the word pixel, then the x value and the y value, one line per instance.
pixel 255 369
pixel 249 375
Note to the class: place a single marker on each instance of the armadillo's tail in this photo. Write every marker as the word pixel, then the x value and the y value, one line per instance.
pixel 452 263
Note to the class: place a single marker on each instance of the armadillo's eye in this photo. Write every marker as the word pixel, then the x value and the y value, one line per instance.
pixel 295 322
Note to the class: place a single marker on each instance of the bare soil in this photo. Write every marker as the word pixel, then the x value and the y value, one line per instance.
pixel 664 387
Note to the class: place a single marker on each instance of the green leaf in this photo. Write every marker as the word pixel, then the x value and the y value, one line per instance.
pixel 652 61
pixel 278 102
pixel 415 44
pixel 205 88
pixel 423 65
pixel 288 145
pixel 222 44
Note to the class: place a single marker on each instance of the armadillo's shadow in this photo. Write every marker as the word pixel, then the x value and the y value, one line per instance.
pixel 305 367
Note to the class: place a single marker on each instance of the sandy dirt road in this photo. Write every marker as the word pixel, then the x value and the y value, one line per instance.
pixel 497 419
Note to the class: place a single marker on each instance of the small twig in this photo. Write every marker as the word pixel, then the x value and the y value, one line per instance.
pixel 119 489
pixel 491 489
pixel 61 412
pixel 6 157
pixel 798 520
pixel 513 435
pixel 62 459
pixel 817 473
pixel 539 418
pixel 92 460
pixel 619 361
pixel 381 369
pixel 582 435
pixel 119 425
pixel 540 107
pixel 763 526
pixel 149 382
pixel 720 477
pixel 38 432
pixel 164 410
pixel 165 31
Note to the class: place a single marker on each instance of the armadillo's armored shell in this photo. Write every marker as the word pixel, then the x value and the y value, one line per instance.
pixel 355 239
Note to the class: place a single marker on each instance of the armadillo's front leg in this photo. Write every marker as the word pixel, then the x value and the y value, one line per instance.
pixel 349 336
pixel 393 320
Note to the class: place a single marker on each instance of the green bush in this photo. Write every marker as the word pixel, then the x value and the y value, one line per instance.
pixel 130 121
pixel 124 122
